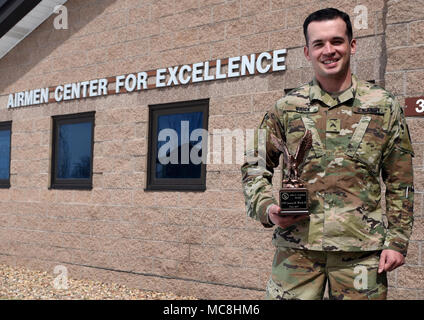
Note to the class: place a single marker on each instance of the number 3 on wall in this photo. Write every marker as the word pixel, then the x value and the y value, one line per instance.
pixel 420 103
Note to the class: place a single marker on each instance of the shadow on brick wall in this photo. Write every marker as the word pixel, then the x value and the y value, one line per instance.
pixel 50 56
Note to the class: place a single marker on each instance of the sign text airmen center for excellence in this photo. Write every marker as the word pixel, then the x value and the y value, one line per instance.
pixel 240 66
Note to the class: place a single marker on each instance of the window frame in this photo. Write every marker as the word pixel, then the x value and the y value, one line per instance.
pixel 183 184
pixel 78 184
pixel 7 125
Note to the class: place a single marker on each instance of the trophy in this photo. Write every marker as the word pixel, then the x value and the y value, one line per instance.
pixel 293 194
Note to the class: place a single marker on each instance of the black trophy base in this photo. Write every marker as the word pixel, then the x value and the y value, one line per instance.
pixel 294 201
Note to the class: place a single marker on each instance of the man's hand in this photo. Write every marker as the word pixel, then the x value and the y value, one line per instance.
pixel 390 260
pixel 283 221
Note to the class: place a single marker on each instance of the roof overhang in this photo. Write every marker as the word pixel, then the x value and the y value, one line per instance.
pixel 18 18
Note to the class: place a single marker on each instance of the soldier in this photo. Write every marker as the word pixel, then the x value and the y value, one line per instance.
pixel 359 137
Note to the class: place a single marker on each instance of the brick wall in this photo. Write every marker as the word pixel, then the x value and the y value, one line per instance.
pixel 189 243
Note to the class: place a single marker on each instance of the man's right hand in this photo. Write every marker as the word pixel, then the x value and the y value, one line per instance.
pixel 284 221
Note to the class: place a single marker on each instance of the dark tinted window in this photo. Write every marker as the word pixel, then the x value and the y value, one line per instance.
pixel 177 139
pixel 5 135
pixel 73 151
pixel 184 123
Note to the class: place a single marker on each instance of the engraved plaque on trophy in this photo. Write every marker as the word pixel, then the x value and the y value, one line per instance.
pixel 293 193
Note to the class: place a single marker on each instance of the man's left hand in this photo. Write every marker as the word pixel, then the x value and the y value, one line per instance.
pixel 390 260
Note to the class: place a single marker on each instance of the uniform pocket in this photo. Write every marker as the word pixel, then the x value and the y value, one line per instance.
pixel 369 137
pixel 300 119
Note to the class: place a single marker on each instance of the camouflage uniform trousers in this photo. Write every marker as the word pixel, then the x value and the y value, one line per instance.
pixel 302 274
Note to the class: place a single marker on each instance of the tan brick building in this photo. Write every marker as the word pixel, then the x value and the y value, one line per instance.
pixel 189 242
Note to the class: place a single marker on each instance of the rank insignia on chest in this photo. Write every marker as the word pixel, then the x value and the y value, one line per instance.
pixel 333 125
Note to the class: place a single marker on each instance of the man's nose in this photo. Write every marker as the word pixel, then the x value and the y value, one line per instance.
pixel 328 49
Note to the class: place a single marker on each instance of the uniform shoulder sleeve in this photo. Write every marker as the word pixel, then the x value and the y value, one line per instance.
pixel 397 173
pixel 399 136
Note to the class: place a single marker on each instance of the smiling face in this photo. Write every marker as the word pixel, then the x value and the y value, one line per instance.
pixel 329 49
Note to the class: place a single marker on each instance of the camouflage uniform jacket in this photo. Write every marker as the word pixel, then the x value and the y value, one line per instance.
pixel 357 137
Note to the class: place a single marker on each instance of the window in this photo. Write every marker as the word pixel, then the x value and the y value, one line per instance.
pixel 5 136
pixel 72 153
pixel 178 146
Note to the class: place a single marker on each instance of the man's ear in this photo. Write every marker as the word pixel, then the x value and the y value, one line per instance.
pixel 306 53
pixel 353 46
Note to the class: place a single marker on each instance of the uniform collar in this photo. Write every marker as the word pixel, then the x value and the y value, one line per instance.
pixel 316 93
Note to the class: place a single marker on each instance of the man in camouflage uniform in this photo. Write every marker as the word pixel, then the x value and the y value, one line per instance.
pixel 359 135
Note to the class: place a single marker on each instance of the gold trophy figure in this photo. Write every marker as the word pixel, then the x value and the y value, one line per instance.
pixel 293 194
